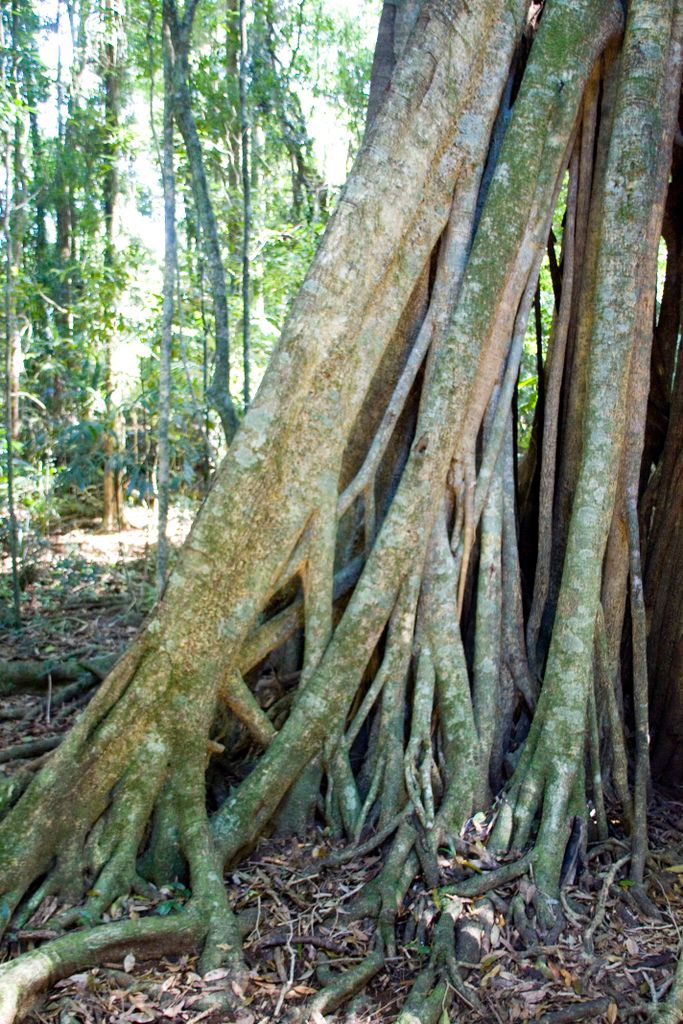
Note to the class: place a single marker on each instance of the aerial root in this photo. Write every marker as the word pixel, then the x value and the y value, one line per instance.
pixel 370 844
pixel 433 988
pixel 444 956
pixel 222 941
pixel 523 926
pixel 237 696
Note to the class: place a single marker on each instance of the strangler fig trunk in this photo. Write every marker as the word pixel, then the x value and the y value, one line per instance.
pixel 366 524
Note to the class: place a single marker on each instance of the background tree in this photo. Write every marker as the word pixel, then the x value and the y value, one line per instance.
pixel 170 271
pixel 112 70
pixel 92 298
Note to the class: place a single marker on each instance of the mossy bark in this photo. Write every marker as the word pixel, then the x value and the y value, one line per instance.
pixel 368 506
pixel 629 203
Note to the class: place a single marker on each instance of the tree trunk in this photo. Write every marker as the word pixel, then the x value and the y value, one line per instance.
pixel 369 499
pixel 170 268
pixel 246 202
pixel 219 391
pixel 19 222
pixel 14 227
pixel 9 333
pixel 114 438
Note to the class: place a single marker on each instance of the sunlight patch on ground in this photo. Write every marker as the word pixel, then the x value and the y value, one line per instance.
pixel 140 535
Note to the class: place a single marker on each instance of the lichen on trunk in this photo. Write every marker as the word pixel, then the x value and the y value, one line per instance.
pixel 365 523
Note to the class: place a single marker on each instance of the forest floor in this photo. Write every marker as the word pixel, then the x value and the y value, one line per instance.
pixel 85 596
pixel 85 592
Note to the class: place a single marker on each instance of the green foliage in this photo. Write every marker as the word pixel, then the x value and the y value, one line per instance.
pixel 527 387
pixel 89 311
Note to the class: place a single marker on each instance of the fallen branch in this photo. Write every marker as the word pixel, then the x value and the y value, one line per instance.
pixel 479 884
pixel 577 1011
pixel 284 939
pixel 35 676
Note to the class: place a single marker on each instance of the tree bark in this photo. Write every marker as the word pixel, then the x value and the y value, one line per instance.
pixel 368 506
pixel 245 150
pixel 170 268
pixel 219 391
pixel 114 437
pixel 9 394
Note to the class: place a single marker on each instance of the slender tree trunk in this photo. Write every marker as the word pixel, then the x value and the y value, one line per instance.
pixel 232 71
pixel 14 225
pixel 246 202
pixel 170 267
pixel 19 219
pixel 258 212
pixel 64 197
pixel 114 439
pixel 9 405
pixel 219 391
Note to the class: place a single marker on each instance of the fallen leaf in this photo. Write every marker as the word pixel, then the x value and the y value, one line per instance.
pixel 534 997
pixel 215 975
pixel 174 1009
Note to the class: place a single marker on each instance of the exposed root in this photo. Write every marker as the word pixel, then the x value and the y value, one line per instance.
pixel 428 1000
pixel 23 979
pixel 478 885
pixel 671 1011
pixel 599 915
pixel 340 989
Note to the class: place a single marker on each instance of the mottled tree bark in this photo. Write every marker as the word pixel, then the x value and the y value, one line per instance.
pixel 368 505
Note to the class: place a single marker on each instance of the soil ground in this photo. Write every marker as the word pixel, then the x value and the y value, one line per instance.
pixel 85 594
